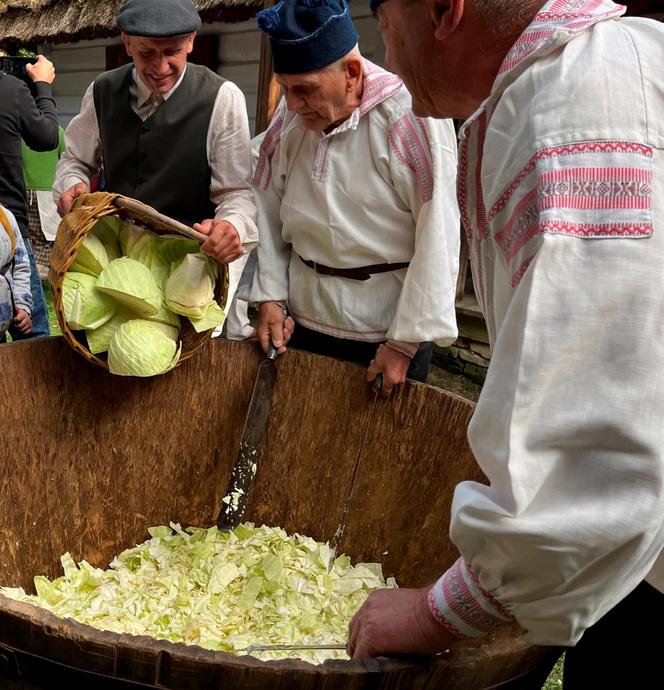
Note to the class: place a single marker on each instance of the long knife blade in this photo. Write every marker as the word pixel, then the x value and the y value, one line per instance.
pixel 251 445
pixel 376 388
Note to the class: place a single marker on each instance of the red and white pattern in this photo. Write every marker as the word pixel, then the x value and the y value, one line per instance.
pixel 592 190
pixel 379 85
pixel 263 173
pixel 460 603
pixel 471 201
pixel 571 15
pixel 410 143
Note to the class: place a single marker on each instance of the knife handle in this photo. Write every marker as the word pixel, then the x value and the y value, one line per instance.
pixel 272 352
pixel 377 383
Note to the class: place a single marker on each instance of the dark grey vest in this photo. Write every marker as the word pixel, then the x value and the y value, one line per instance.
pixel 162 161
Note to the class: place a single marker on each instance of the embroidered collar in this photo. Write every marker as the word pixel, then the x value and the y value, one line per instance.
pixel 557 23
pixel 379 85
pixel 572 16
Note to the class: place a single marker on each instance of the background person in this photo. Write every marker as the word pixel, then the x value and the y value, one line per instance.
pixel 171 134
pixel 30 116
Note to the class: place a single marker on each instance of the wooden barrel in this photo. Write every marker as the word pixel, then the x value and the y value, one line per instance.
pixel 91 460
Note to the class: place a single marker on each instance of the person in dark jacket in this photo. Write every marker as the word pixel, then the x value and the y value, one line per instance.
pixel 27 113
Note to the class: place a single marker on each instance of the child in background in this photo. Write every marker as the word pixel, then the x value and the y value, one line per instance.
pixel 15 295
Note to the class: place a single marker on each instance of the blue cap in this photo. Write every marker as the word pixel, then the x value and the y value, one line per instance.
pixel 307 35
pixel 158 18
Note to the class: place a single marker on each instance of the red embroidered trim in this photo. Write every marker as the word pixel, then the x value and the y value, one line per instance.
pixel 558 227
pixel 379 85
pixel 410 143
pixel 266 151
pixel 463 603
pixel 404 349
pixel 596 188
pixel 521 271
pixel 487 595
pixel 322 160
pixel 433 607
pixel 568 150
pixel 462 187
pixel 571 15
pixel 522 226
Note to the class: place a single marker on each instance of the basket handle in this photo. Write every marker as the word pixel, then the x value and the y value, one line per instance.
pixel 133 205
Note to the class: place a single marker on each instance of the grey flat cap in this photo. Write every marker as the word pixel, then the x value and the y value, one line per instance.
pixel 158 18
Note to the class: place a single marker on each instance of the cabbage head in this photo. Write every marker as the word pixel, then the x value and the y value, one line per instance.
pixel 100 338
pixel 84 305
pixel 91 257
pixel 142 348
pixel 190 287
pixel 106 229
pixel 132 284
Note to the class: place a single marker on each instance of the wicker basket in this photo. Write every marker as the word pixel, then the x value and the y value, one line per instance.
pixel 74 227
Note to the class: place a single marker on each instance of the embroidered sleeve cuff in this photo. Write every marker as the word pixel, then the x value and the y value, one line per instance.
pixel 408 349
pixel 460 604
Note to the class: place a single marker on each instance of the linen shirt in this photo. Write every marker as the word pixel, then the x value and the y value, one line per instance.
pixel 379 188
pixel 564 206
pixel 228 152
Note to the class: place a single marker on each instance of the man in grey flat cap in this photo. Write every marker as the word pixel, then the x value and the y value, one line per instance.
pixel 171 134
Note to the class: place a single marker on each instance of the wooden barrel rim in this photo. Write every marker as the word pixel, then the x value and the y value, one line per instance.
pixel 81 633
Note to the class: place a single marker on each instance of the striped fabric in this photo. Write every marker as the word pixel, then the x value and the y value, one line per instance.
pixel 460 604
pixel 591 190
pixel 409 141
pixel 379 85
pixel 571 15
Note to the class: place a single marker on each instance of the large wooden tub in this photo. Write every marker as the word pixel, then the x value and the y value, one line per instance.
pixel 91 460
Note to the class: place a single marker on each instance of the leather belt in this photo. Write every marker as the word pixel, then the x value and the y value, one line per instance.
pixel 359 273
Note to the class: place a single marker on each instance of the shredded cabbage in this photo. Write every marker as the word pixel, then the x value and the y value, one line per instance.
pixel 219 590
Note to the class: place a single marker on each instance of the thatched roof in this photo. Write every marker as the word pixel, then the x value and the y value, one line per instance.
pixel 28 22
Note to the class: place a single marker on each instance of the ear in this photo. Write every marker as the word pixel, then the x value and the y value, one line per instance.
pixel 446 16
pixel 190 42
pixel 353 73
pixel 127 43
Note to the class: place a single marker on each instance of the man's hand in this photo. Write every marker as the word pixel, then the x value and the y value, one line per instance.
pixel 23 321
pixel 275 325
pixel 42 70
pixel 66 199
pixel 396 621
pixel 223 242
pixel 392 364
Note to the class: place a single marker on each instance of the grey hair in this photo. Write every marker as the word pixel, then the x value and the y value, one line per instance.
pixel 340 64
pixel 507 17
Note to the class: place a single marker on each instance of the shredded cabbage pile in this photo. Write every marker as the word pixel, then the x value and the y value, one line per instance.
pixel 126 283
pixel 220 590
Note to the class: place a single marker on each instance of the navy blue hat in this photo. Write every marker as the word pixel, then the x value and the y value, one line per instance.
pixel 307 35
pixel 373 4
pixel 158 18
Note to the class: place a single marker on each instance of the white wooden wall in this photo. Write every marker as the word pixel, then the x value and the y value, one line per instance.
pixel 77 64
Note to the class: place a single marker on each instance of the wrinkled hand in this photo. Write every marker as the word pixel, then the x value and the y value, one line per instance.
pixel 272 324
pixel 66 199
pixel 23 321
pixel 392 364
pixel 42 70
pixel 396 621
pixel 223 242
